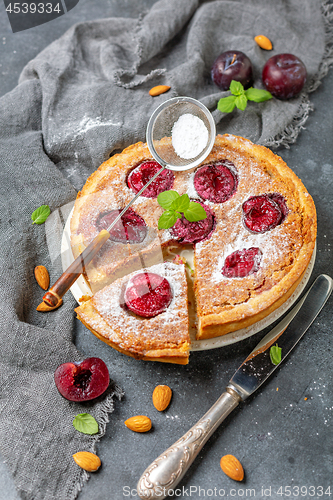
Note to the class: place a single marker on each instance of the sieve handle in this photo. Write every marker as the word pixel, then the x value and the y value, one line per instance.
pixel 68 278
pixel 135 197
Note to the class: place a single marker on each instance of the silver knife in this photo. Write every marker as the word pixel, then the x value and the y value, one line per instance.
pixel 169 468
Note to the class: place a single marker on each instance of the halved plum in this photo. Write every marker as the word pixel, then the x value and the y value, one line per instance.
pixel 241 263
pixel 131 228
pixel 216 182
pixel 264 212
pixel 82 381
pixel 193 232
pixel 148 294
pixel 144 172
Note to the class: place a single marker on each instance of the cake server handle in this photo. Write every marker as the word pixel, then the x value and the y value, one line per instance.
pixel 68 278
pixel 170 467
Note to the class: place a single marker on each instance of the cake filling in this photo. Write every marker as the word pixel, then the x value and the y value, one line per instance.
pixel 142 174
pixel 193 232
pixel 264 212
pixel 148 294
pixel 216 183
pixel 242 263
pixel 131 228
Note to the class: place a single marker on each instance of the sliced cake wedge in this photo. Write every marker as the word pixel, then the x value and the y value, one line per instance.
pixel 143 315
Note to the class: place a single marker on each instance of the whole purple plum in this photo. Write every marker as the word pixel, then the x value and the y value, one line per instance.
pixel 232 65
pixel 284 76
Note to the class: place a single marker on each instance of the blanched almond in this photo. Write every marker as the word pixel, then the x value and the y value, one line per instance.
pixel 161 397
pixel 263 42
pixel 87 461
pixel 42 277
pixel 158 90
pixel 232 467
pixel 139 423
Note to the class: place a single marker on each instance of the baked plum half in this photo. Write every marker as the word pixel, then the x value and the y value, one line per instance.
pixel 216 182
pixel 131 228
pixel 193 232
pixel 242 263
pixel 264 212
pixel 142 174
pixel 148 294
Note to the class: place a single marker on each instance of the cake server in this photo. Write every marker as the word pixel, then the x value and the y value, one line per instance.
pixel 159 125
pixel 168 469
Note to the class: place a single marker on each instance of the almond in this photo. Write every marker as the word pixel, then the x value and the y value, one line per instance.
pixel 42 277
pixel 158 90
pixel 139 423
pixel 45 308
pixel 232 467
pixel 263 42
pixel 87 461
pixel 161 397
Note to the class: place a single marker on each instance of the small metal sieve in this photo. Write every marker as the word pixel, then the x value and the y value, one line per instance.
pixel 161 123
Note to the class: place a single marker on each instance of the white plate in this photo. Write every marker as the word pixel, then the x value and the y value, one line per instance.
pixel 81 288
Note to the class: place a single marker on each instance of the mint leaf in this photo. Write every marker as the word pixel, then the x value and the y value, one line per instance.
pixel 40 215
pixel 240 97
pixel 85 423
pixel 178 205
pixel 227 104
pixel 181 203
pixel 195 212
pixel 166 198
pixel 168 219
pixel 236 88
pixel 241 102
pixel 257 95
pixel 275 354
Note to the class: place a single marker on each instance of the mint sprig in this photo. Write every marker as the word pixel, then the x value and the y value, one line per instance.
pixel 40 215
pixel 175 206
pixel 275 354
pixel 85 423
pixel 239 97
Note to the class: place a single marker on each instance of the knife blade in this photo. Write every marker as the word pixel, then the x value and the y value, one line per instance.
pixel 257 367
pixel 163 475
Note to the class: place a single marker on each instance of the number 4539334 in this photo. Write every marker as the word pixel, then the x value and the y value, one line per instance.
pixel 32 8
pixel 304 491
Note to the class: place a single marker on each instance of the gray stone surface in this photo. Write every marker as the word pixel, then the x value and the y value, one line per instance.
pixel 281 438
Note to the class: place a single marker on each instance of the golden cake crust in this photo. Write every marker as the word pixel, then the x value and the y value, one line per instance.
pixel 223 304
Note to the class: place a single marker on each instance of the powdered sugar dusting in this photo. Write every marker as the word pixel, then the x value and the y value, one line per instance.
pixel 191 191
pixel 80 128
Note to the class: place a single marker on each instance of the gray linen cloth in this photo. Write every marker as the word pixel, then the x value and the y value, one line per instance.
pixel 82 99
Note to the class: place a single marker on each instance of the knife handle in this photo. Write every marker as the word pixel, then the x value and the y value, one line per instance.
pixel 66 280
pixel 169 468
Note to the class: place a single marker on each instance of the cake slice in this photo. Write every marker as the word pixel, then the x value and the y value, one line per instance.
pixel 143 314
